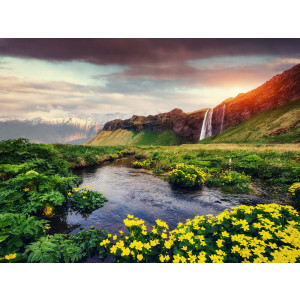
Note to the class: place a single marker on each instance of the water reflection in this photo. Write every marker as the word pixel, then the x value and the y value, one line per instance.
pixel 131 191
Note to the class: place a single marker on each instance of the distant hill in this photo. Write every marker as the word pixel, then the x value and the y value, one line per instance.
pixel 130 137
pixel 275 125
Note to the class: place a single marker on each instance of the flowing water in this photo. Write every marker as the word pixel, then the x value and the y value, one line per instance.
pixel 206 129
pixel 222 117
pixel 131 191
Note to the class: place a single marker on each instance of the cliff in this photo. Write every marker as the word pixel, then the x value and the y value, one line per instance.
pixel 184 124
pixel 279 90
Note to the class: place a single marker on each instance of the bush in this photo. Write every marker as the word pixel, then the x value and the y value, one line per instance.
pixel 142 164
pixel 18 230
pixel 187 176
pixel 294 190
pixel 85 200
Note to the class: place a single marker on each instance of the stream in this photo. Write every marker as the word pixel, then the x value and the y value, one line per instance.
pixel 146 196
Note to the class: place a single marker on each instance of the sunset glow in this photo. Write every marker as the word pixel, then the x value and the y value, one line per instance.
pixel 56 78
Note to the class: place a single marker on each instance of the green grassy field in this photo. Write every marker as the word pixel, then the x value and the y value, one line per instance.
pixel 278 125
pixel 129 137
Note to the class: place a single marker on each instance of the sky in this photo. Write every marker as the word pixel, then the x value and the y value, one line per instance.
pixel 54 78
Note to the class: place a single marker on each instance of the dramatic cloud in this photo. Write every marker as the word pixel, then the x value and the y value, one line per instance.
pixel 55 77
pixel 136 51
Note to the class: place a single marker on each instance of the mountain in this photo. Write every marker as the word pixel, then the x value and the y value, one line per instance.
pixel 73 129
pixel 279 90
pixel 66 130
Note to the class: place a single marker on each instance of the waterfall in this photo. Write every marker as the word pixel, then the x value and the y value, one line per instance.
pixel 222 117
pixel 206 129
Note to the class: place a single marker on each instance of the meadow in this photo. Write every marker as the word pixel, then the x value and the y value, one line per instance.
pixel 37 181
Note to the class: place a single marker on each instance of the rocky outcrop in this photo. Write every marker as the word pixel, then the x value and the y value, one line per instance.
pixel 186 125
pixel 281 89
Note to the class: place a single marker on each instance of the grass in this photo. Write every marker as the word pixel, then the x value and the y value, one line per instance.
pixel 130 137
pixel 281 125
pixel 82 156
pixel 272 167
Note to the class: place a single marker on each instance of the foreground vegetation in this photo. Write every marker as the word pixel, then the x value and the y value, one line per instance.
pixel 36 181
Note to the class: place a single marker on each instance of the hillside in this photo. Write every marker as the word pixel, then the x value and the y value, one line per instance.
pixel 275 125
pixel 130 137
pixel 280 90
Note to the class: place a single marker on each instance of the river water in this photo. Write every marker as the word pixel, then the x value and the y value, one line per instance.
pixel 146 196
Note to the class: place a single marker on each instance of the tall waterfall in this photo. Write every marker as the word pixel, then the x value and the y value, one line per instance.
pixel 222 117
pixel 206 129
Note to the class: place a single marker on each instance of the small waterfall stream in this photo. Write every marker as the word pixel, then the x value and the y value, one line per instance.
pixel 206 129
pixel 222 117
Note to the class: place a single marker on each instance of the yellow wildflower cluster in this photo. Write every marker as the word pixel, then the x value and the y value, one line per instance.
pixel 261 234
pixel 131 221
pixel 187 175
pixel 10 256
pixel 294 189
pixel 142 164
pixel 230 177
pixel 48 211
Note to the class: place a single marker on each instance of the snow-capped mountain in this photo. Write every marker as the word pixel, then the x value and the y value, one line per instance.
pixel 71 129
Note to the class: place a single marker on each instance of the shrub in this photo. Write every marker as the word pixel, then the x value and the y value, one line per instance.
pixel 85 200
pixel 230 181
pixel 142 164
pixel 18 230
pixel 187 176
pixel 229 177
pixel 294 190
pixel 47 249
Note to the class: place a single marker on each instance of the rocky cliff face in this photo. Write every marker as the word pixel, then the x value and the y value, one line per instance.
pixel 279 90
pixel 186 125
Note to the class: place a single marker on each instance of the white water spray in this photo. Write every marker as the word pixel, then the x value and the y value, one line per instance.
pixel 206 129
pixel 222 117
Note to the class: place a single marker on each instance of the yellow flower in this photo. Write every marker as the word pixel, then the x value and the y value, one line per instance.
pixel 48 210
pixel 140 257
pixel 69 194
pixel 10 256
pixel 115 237
pixel 83 197
pixel 47 227
pixel 154 230
pixel 164 236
